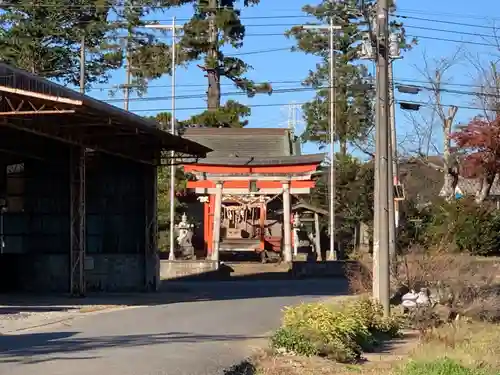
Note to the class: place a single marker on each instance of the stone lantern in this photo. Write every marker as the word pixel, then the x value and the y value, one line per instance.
pixel 184 238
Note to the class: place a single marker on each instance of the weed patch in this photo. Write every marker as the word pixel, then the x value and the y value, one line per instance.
pixel 337 332
pixel 443 366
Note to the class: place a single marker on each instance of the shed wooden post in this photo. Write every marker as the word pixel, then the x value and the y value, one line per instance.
pixel 217 221
pixel 287 230
pixel 317 236
pixel 78 227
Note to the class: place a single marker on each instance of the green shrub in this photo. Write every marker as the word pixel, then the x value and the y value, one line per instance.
pixel 466 226
pixel 293 341
pixel 338 332
pixel 371 315
pixel 441 367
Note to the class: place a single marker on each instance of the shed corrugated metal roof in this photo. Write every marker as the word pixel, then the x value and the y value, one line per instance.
pixel 19 79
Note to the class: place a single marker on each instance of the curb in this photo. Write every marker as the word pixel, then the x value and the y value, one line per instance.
pixel 73 316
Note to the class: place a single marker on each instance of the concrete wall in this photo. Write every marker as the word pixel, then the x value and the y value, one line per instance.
pixel 182 269
pixel 104 273
pixel 302 269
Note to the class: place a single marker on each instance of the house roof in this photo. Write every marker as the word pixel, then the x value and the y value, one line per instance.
pixel 470 186
pixel 423 179
pixel 15 81
pixel 243 142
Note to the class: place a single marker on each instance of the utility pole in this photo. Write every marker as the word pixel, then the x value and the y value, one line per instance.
pixel 331 28
pixel 382 153
pixel 394 54
pixel 333 131
pixel 128 75
pixel 293 120
pixel 173 27
pixel 389 47
pixel 82 65
pixel 393 176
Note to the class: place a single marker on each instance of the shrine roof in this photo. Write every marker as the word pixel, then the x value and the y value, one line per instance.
pixel 244 142
pixel 262 161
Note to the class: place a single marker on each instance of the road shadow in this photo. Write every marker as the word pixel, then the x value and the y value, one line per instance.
pixel 177 292
pixel 40 347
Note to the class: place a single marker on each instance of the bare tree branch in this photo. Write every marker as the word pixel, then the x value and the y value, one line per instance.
pixel 439 121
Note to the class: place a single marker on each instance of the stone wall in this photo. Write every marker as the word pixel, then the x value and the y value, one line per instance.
pixel 303 269
pixel 103 273
pixel 188 269
pixel 114 272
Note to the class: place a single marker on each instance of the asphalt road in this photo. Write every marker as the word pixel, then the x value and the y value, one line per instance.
pixel 213 331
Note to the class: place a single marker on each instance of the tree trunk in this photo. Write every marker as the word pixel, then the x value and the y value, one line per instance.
pixel 484 191
pixel 343 147
pixel 450 171
pixel 212 62
pixel 450 166
pixel 213 94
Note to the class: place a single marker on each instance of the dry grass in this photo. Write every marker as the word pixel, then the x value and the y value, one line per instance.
pixel 472 344
pixel 464 283
pixel 374 363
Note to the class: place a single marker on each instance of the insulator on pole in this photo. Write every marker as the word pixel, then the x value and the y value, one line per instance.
pixel 394 50
pixel 367 49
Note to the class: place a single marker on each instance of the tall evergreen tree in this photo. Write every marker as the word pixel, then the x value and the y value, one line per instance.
pixel 145 54
pixel 354 106
pixel 217 23
pixel 354 101
pixel 44 38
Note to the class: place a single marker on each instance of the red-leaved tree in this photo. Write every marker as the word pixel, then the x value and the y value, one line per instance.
pixel 478 143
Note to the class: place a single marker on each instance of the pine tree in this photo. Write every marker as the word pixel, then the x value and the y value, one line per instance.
pixel 354 101
pixel 354 107
pixel 217 23
pixel 45 38
pixel 145 55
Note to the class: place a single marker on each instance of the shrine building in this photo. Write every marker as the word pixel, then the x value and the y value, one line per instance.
pixel 247 186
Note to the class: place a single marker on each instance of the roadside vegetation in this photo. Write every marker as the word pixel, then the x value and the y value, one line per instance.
pixel 455 336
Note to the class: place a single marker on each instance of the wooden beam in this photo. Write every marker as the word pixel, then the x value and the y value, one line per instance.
pixel 254 176
pixel 43 112
pixel 217 222
pixel 242 184
pixel 287 230
pixel 268 169
pixel 32 94
pixel 294 191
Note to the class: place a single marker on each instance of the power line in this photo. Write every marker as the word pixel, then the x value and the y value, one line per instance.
pixel 297 81
pixel 471 42
pixel 421 103
pixel 454 40
pixel 452 31
pixel 398 15
pixel 291 90
pixel 448 14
